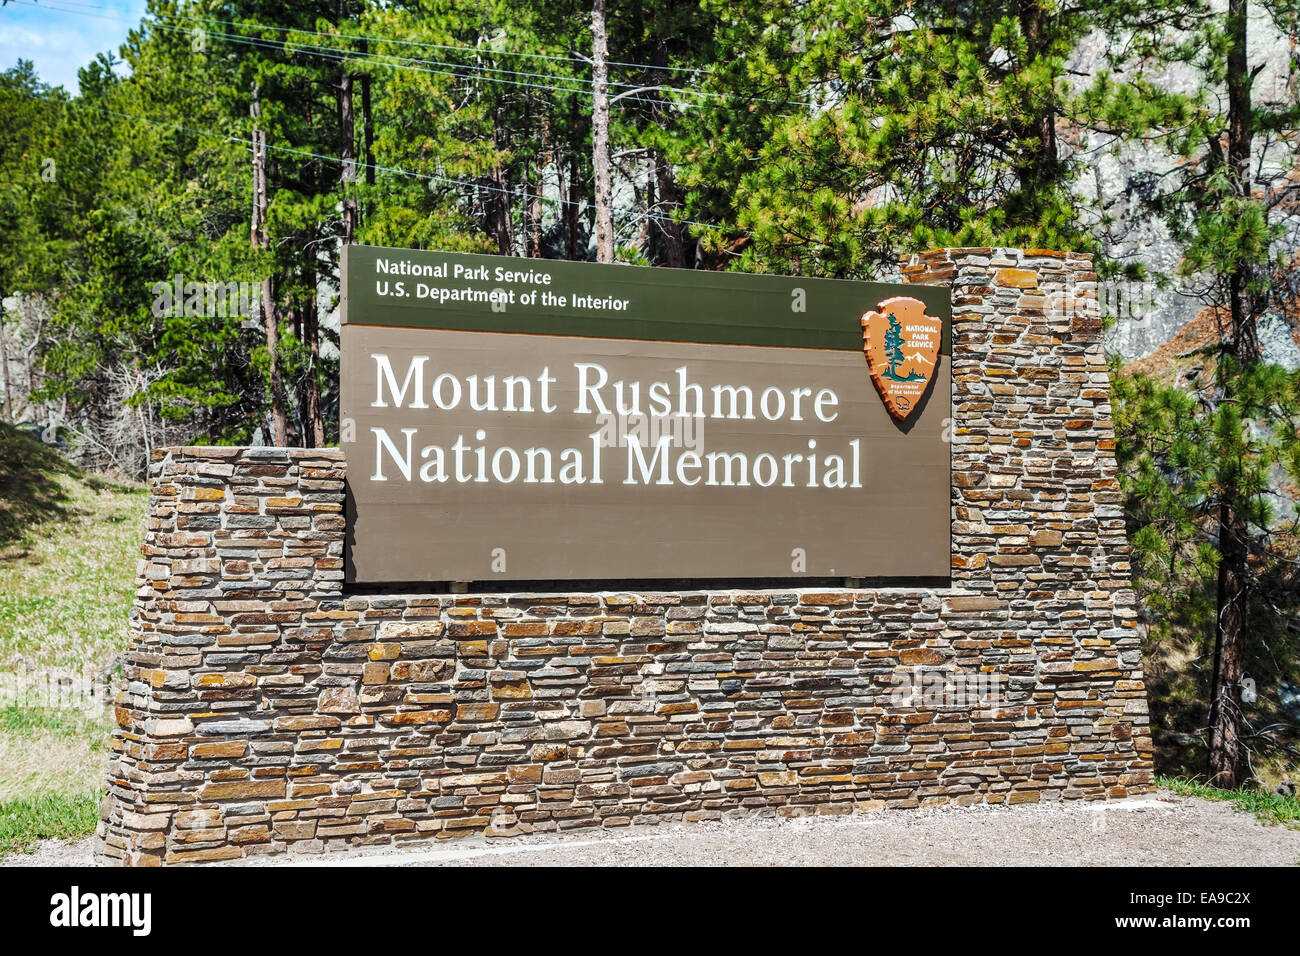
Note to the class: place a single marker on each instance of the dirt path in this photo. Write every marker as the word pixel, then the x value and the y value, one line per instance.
pixel 1163 830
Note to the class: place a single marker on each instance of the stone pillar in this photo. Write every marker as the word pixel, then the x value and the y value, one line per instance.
pixel 1038 529
pixel 239 592
pixel 270 710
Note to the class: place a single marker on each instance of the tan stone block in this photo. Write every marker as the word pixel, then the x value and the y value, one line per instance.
pixel 1017 278
pixel 920 655
pixel 291 830
pixel 223 748
pixel 225 680
pixel 462 629
pixel 828 598
pixel 1014 560
pixel 257 833
pixel 518 689
pixel 242 790
pixel 209 835
pixel 477 711
pixel 152 840
pixel 339 700
pixel 198 819
pixel 165 753
pixel 200 856
pixel 680 707
pixel 973 603
pixel 411 630
pixel 423 671
pixel 1096 664
pixel 417 717
pixel 525 773
pixel 306 722
pixel 172 727
pixel 145 821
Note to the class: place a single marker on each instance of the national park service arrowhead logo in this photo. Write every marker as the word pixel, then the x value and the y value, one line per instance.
pixel 902 347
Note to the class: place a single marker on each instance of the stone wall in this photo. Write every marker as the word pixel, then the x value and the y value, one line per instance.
pixel 269 710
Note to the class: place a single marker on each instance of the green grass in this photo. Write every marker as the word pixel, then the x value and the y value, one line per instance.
pixel 33 484
pixel 18 719
pixel 1268 807
pixel 47 816
pixel 69 549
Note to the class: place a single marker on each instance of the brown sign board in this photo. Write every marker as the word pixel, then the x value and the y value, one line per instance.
pixel 632 424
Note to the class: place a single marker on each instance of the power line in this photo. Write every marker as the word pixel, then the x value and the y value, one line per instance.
pixel 406 63
pixel 461 48
pixel 326 53
pixel 329 53
pixel 379 168
pixel 479 51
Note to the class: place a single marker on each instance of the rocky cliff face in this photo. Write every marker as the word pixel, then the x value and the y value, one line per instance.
pixel 1118 181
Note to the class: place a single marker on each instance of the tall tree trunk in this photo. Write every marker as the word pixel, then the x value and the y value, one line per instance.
pixel 4 365
pixel 270 318
pixel 1225 705
pixel 1234 551
pixel 1240 141
pixel 499 199
pixel 533 239
pixel 347 146
pixel 573 203
pixel 600 135
pixel 314 430
pixel 367 131
pixel 670 195
pixel 140 387
pixel 313 425
pixel 368 127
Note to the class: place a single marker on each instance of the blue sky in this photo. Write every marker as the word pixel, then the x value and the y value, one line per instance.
pixel 61 36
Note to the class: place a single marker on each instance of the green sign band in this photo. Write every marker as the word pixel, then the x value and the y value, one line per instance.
pixel 476 293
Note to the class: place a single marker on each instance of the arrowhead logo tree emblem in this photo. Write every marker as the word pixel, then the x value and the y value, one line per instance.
pixel 901 343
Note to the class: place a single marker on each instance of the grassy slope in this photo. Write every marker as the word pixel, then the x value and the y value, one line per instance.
pixel 69 546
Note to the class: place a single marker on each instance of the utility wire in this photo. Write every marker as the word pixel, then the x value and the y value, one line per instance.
pixel 336 55
pixel 635 214
pixel 479 51
pixel 584 61
pixel 407 63
pixel 470 184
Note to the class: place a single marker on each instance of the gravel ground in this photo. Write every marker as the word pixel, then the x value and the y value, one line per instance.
pixel 1162 830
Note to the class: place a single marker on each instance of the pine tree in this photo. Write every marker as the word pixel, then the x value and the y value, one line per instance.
pixel 1204 495
pixel 846 131
pixel 894 347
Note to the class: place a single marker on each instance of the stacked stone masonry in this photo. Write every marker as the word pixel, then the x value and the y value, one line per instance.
pixel 270 710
